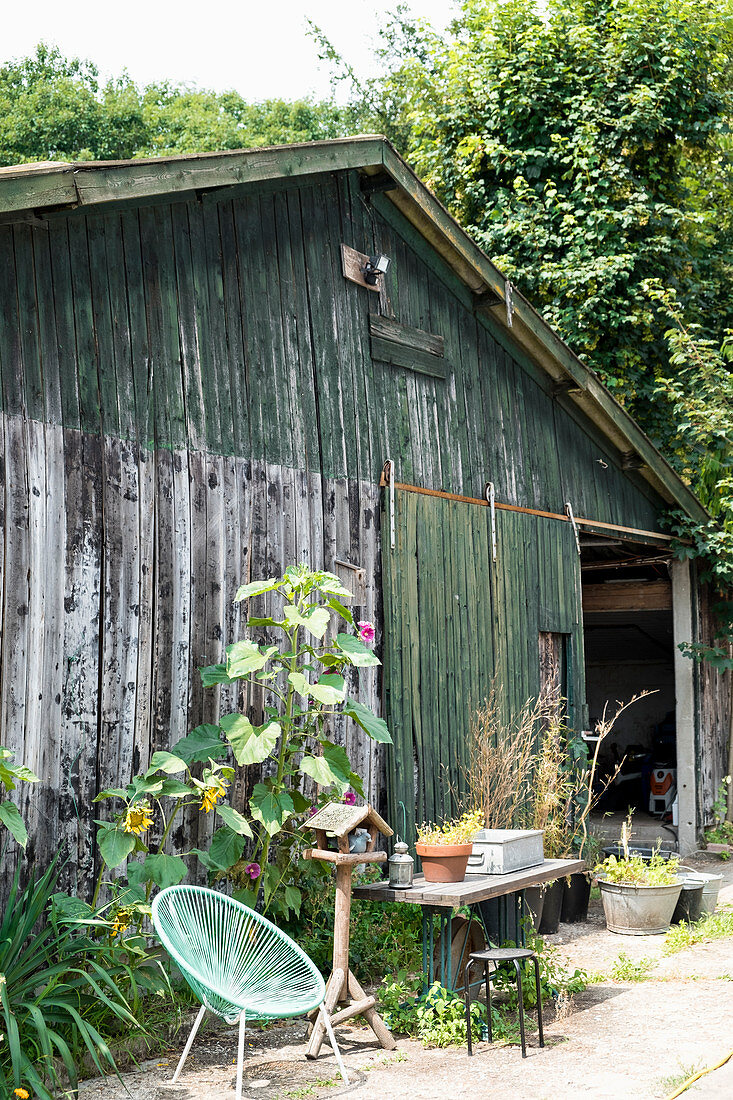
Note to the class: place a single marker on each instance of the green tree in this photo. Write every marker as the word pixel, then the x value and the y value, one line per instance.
pixel 55 108
pixel 583 145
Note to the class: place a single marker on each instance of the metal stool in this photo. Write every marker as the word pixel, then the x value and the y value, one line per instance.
pixel 497 955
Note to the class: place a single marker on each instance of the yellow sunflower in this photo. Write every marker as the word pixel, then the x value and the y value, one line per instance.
pixel 138 818
pixel 121 921
pixel 215 789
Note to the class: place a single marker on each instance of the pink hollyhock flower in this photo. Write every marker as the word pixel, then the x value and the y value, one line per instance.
pixel 253 870
pixel 350 798
pixel 366 631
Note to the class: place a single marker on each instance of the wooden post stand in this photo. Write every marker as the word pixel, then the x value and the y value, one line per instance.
pixel 342 985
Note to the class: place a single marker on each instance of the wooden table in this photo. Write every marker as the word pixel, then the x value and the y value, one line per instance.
pixel 475 891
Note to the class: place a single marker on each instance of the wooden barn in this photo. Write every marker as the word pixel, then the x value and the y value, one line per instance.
pixel 203 380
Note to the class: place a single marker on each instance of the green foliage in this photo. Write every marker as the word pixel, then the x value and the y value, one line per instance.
pixel 713 926
pixel 572 140
pixel 436 1017
pixel 626 969
pixel 460 831
pixel 383 939
pixel 57 981
pixel 637 871
pixel 54 108
pixel 10 775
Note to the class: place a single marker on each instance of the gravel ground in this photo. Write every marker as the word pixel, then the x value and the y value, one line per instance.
pixel 616 1040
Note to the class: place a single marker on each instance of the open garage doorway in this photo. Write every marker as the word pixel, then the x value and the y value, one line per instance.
pixel 629 637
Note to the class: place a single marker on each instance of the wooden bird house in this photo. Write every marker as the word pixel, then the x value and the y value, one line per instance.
pixel 334 826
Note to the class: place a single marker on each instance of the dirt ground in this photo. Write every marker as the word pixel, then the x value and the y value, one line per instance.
pixel 615 1040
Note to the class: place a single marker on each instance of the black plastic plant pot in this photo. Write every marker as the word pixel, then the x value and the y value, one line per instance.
pixel 534 899
pixel 575 898
pixel 552 908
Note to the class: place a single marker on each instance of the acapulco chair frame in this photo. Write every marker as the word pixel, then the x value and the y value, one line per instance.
pixel 237 963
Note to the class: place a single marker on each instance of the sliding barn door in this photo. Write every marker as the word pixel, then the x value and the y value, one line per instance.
pixel 456 622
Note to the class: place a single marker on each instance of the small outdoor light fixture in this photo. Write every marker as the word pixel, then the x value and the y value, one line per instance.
pixel 374 267
pixel 401 867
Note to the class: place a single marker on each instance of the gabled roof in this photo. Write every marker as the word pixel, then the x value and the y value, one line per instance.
pixel 27 191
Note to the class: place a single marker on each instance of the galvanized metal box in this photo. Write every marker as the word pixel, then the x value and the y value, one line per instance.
pixel 500 851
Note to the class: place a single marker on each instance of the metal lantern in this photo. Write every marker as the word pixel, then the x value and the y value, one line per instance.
pixel 401 866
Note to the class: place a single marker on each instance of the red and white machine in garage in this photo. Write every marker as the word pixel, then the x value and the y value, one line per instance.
pixel 662 790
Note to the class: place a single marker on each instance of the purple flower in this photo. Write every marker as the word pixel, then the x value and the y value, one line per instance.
pixel 253 870
pixel 350 798
pixel 312 810
pixel 366 631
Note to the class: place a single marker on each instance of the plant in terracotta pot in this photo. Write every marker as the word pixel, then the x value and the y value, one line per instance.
pixel 639 895
pixel 444 849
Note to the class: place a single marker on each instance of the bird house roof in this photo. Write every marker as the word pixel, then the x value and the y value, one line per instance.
pixel 340 819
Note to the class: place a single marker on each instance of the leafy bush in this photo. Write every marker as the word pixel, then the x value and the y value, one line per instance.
pixel 57 981
pixel 437 1017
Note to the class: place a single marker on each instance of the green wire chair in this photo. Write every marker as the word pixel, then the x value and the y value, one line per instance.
pixel 237 963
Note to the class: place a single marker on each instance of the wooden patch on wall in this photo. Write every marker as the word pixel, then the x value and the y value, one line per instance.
pixel 403 346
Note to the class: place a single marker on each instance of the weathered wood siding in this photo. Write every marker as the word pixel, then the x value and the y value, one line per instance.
pixel 189 400
pixel 714 704
pixel 456 624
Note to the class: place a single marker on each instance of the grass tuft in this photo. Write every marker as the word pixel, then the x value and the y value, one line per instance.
pixel 713 926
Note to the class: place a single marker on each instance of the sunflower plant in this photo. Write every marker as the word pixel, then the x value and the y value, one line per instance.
pixel 150 802
pixel 298 688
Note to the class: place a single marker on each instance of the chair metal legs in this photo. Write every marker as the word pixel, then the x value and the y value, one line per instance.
pixel 334 1045
pixel 538 987
pixel 520 999
pixel 240 1054
pixel 240 1047
pixel 189 1041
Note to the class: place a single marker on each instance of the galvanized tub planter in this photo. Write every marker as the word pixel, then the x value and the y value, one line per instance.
pixel 711 887
pixel 639 910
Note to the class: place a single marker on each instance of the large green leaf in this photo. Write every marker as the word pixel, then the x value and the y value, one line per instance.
pixel 10 772
pixel 329 689
pixel 173 788
pixel 314 619
pixel 255 588
pixel 163 869
pixel 202 743
pixel 344 612
pixel 375 727
pixel 272 808
pixel 356 652
pixel 332 767
pixel 245 657
pixel 10 817
pixel 226 848
pixel 300 683
pixel 329 582
pixel 234 820
pixel 115 845
pixel 250 744
pixel 214 674
pixel 166 762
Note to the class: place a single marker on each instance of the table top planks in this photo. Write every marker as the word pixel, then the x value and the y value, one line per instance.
pixel 473 888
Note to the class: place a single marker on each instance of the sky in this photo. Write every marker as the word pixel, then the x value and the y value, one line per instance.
pixel 259 49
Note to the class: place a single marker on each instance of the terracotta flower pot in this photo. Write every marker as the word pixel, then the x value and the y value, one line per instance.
pixel 444 862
